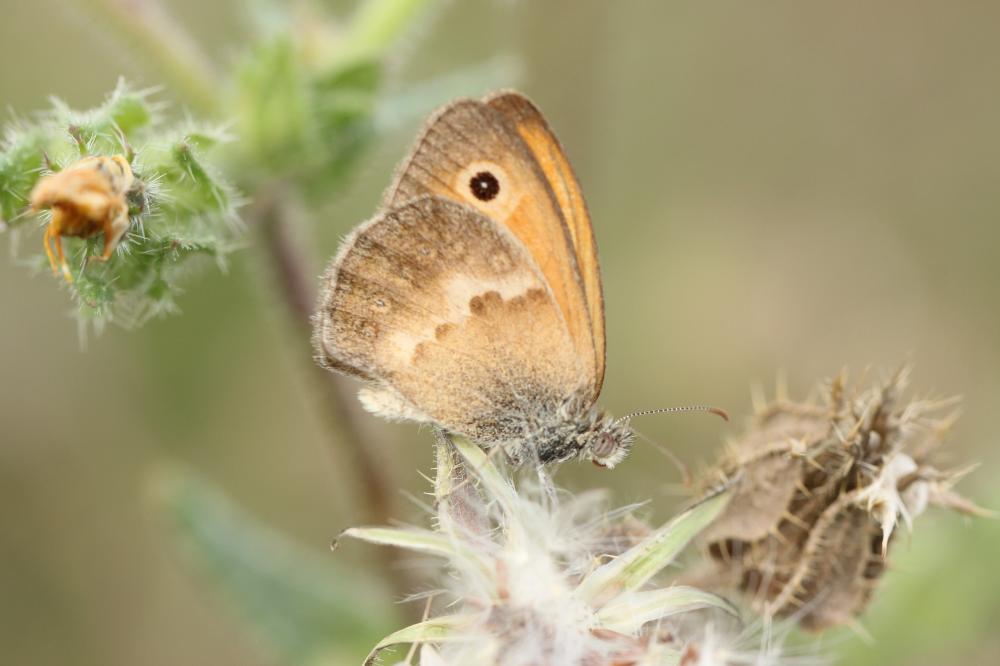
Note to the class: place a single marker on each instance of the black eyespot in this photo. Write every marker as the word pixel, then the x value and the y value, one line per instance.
pixel 484 186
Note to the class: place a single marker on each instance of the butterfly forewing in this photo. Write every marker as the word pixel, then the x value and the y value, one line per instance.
pixel 551 159
pixel 452 320
pixel 497 157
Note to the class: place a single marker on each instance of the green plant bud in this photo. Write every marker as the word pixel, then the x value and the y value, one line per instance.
pixel 167 206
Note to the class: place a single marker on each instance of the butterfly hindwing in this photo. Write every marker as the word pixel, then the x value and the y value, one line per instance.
pixel 449 318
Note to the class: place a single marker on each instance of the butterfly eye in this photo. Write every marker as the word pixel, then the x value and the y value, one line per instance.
pixel 484 186
pixel 604 446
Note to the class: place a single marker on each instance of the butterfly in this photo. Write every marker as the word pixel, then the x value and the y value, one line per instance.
pixel 473 300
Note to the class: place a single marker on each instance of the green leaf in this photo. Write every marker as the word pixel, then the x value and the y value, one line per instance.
pixel 342 104
pixel 423 541
pixel 636 566
pixel 125 111
pixel 272 105
pixel 449 471
pixel 306 608
pixel 21 160
pixel 461 511
pixel 202 189
pixel 300 121
pixel 437 630
pixel 497 487
pixel 629 612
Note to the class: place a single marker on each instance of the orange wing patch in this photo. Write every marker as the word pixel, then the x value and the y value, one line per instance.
pixel 551 159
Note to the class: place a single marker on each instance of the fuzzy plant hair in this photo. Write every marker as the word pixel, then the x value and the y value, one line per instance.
pixel 539 576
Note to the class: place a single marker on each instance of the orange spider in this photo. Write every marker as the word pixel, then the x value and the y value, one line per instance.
pixel 86 198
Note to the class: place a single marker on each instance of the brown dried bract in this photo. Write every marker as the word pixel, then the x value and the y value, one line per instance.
pixel 818 489
pixel 86 198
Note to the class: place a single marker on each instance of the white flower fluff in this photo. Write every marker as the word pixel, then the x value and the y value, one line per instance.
pixel 540 577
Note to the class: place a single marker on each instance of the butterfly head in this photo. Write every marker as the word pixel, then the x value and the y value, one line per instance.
pixel 608 442
pixel 576 430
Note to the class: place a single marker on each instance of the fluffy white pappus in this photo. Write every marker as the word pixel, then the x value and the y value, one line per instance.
pixel 759 643
pixel 884 500
pixel 537 575
pixel 540 543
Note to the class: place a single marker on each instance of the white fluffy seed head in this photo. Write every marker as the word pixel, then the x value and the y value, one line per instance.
pixel 523 564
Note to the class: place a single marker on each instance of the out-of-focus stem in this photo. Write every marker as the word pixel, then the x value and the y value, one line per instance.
pixel 376 25
pixel 296 283
pixel 294 278
pixel 168 45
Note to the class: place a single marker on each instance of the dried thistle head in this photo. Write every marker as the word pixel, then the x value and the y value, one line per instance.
pixel 818 490
pixel 541 577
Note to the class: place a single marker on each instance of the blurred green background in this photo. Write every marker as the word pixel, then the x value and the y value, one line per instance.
pixel 774 186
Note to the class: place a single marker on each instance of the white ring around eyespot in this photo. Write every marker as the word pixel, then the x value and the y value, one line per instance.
pixel 500 206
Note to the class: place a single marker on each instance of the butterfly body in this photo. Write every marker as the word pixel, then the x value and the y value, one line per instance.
pixel 559 432
pixel 472 301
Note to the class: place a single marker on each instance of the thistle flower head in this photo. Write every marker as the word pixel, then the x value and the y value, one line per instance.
pixel 818 492
pixel 538 576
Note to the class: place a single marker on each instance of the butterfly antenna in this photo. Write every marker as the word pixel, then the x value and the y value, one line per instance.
pixel 676 410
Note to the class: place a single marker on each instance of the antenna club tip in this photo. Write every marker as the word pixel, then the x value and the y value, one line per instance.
pixel 718 411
